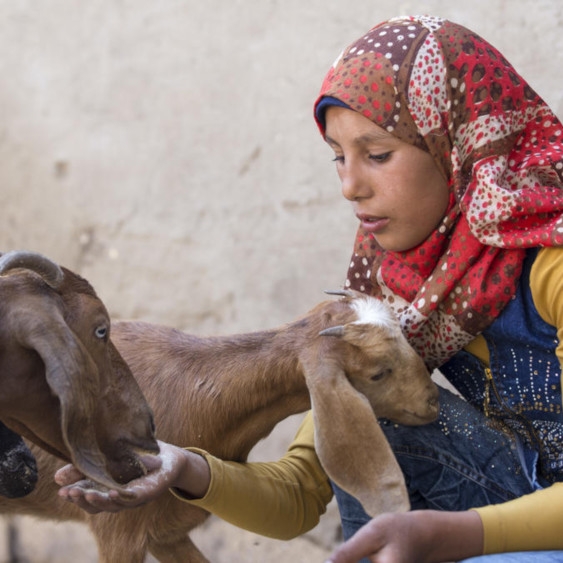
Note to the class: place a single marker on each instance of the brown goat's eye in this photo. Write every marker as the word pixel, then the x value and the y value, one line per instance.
pixel 101 332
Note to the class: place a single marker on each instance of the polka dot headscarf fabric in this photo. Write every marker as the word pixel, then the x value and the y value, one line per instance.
pixel 436 85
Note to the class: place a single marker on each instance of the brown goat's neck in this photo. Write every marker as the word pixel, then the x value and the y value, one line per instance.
pixel 245 383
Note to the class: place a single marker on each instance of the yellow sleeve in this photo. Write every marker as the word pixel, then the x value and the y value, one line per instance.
pixel 530 523
pixel 546 283
pixel 281 499
pixel 535 521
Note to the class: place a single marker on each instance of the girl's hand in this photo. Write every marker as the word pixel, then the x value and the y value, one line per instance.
pixel 177 468
pixel 422 536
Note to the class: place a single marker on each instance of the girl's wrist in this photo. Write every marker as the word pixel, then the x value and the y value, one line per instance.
pixel 194 476
pixel 451 536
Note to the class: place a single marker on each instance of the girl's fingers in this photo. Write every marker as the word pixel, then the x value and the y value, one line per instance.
pixel 68 475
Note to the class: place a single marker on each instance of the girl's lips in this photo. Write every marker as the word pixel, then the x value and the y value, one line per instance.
pixel 372 224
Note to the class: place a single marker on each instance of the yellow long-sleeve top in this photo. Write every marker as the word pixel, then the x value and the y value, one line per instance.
pixel 284 499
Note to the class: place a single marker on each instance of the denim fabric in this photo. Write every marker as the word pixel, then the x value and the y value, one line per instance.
pixel 458 462
pixel 522 386
pixel 523 557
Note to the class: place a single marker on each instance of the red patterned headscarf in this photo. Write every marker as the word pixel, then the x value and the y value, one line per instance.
pixel 442 88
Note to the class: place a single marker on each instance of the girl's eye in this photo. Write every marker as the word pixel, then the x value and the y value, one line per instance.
pixel 380 157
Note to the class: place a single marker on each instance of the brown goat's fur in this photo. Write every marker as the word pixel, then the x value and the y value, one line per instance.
pixel 224 394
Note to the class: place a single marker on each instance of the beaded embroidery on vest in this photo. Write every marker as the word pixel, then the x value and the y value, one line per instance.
pixel 522 387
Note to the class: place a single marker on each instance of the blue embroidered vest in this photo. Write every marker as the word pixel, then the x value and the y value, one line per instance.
pixel 522 387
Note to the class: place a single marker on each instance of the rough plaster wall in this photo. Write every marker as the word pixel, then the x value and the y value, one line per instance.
pixel 166 150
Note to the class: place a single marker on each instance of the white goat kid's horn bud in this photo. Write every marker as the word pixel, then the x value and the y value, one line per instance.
pixel 333 331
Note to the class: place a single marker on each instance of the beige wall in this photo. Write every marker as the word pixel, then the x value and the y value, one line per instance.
pixel 166 150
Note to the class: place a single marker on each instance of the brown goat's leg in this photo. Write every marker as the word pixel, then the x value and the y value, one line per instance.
pixel 119 537
pixel 350 443
pixel 181 551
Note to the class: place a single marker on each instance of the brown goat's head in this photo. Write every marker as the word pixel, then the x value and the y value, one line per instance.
pixel 372 352
pixel 63 384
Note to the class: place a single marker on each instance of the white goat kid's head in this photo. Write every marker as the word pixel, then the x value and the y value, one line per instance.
pixel 379 362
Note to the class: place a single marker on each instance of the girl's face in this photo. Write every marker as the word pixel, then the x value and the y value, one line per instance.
pixel 396 189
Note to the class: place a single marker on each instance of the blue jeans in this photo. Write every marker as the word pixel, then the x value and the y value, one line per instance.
pixel 522 557
pixel 458 462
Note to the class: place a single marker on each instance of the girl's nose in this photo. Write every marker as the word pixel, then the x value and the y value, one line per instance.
pixel 354 184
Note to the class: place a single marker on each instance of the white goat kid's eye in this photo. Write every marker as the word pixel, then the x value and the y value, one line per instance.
pixel 101 332
pixel 380 374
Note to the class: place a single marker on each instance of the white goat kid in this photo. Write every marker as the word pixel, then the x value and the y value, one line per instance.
pixel 348 439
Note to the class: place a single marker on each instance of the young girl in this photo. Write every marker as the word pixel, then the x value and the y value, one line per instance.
pixel 454 167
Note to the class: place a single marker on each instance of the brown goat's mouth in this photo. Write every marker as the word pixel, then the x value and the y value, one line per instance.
pixel 150 462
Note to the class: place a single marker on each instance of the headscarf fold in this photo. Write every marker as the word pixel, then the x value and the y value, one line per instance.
pixel 438 86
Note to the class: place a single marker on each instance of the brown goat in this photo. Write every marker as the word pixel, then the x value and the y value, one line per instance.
pixel 63 384
pixel 224 394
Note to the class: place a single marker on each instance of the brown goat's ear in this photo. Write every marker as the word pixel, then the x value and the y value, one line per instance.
pixel 73 377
